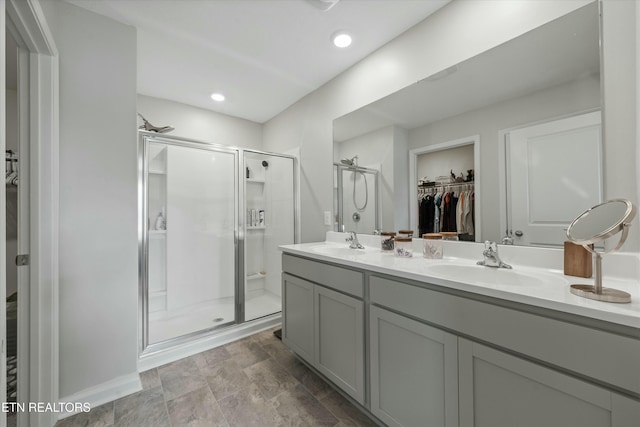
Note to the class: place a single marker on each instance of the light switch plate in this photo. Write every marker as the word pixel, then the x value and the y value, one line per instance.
pixel 327 217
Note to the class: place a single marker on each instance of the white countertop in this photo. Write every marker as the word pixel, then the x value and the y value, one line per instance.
pixel 532 285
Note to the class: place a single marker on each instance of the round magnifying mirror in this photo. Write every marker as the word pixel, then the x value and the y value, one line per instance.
pixel 593 226
pixel 601 221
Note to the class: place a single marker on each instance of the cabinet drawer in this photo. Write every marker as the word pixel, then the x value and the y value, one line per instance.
pixel 338 278
pixel 601 355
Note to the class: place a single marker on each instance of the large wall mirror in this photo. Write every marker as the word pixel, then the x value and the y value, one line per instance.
pixel 514 131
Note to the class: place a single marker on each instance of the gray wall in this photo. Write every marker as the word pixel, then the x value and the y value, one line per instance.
pixel 98 197
pixel 200 124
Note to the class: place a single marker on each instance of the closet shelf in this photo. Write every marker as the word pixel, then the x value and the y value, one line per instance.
pixel 449 184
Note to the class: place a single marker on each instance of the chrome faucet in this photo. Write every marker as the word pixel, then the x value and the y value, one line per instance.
pixel 508 238
pixel 353 241
pixel 491 258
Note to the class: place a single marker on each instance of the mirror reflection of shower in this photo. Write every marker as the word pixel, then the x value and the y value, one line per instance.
pixel 352 164
pixel 356 193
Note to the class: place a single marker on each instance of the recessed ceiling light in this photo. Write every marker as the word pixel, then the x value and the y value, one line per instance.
pixel 341 39
pixel 217 97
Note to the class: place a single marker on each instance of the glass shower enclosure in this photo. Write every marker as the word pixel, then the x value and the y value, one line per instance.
pixel 211 219
pixel 356 198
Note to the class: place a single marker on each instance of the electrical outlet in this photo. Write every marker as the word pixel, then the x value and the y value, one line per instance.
pixel 327 218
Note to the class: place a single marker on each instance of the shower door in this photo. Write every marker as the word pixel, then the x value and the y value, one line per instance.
pixel 357 191
pixel 190 210
pixel 269 222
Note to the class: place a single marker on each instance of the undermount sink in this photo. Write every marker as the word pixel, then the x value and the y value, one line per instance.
pixel 338 250
pixel 478 274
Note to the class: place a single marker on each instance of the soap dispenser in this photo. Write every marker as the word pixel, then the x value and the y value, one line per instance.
pixel 161 222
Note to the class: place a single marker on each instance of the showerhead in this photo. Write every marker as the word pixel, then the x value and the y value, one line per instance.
pixel 350 162
pixel 149 127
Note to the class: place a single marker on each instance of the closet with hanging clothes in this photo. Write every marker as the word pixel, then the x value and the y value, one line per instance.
pixel 447 208
pixel 446 192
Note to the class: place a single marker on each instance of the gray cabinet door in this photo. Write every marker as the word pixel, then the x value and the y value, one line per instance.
pixel 414 372
pixel 297 316
pixel 498 389
pixel 339 332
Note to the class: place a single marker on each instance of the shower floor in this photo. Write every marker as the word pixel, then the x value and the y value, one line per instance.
pixel 164 325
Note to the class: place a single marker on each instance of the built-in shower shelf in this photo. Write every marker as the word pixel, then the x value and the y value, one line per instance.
pixel 157 171
pixel 257 227
pixel 157 293
pixel 256 276
pixel 256 180
pixel 158 233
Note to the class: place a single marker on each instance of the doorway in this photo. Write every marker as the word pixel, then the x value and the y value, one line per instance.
pixel 37 211
pixel 554 171
pixel 445 180
pixel 17 224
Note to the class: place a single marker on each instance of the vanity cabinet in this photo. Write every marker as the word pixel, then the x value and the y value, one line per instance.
pixel 339 340
pixel 414 372
pixel 435 356
pixel 498 389
pixel 297 317
pixel 323 321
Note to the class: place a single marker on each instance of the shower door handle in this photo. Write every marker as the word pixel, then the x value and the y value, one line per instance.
pixel 22 260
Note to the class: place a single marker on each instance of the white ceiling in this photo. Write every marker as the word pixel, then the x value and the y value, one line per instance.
pixel 264 55
pixel 561 51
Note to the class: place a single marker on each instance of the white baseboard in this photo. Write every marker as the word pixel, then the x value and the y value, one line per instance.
pixel 105 392
pixel 161 357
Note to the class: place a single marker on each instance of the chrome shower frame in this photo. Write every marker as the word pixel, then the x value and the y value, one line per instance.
pixel 340 168
pixel 146 349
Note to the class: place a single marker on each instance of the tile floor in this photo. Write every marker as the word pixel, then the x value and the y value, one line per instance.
pixel 256 381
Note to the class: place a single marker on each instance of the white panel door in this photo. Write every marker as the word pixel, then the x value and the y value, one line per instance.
pixel 554 173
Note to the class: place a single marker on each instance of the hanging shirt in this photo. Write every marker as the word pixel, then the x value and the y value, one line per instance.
pixel 469 210
pixel 437 201
pixel 426 215
pixel 452 213
pixel 445 218
pixel 459 213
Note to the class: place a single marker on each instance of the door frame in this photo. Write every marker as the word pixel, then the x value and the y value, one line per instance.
pixel 28 21
pixel 473 140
